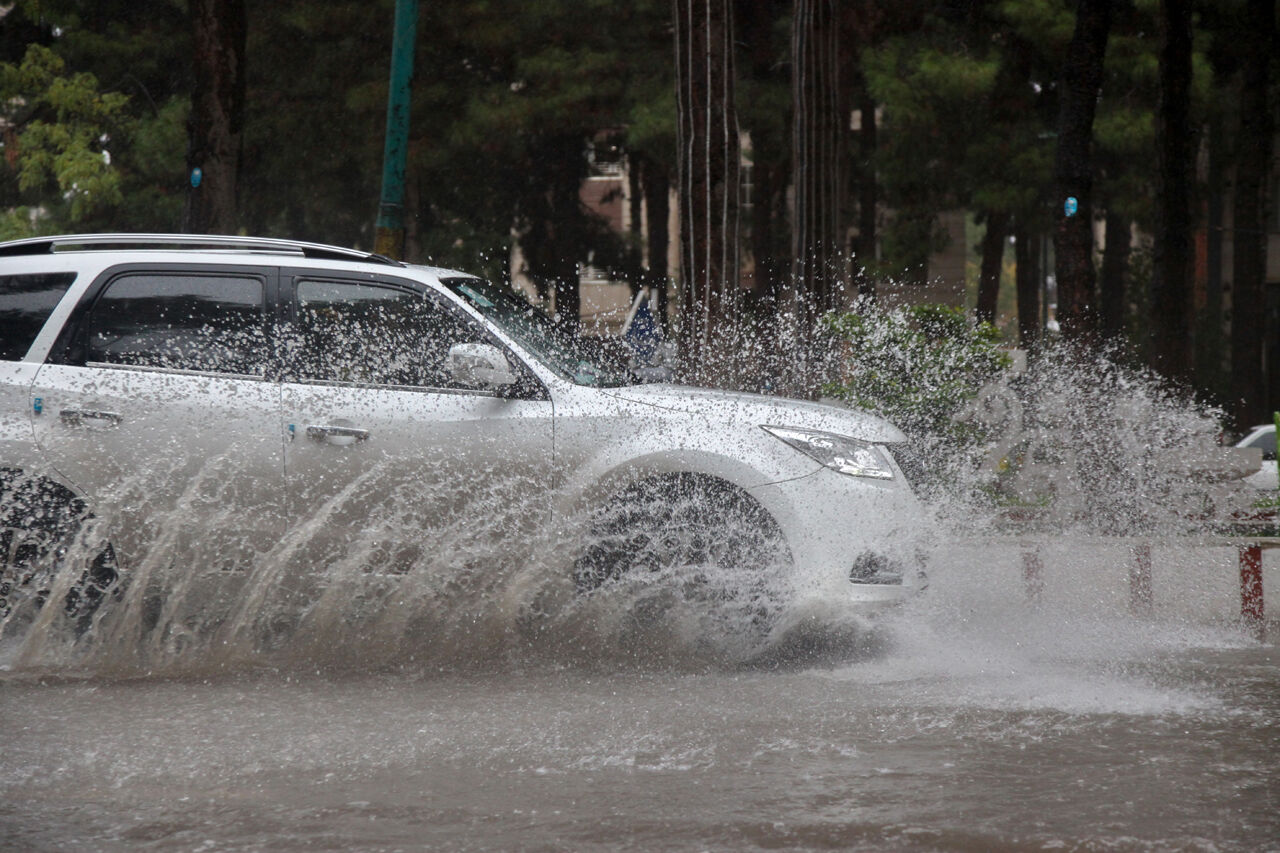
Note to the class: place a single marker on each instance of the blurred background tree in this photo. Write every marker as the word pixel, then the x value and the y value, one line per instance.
pixel 922 108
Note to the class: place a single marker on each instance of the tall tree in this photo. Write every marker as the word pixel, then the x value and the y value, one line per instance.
pixel 817 183
pixel 1026 249
pixel 141 51
pixel 963 97
pixel 1111 291
pixel 1124 172
pixel 993 241
pixel 556 228
pixel 1249 238
pixel 1073 233
pixel 54 123
pixel 1171 278
pixel 317 68
pixel 656 183
pixel 764 90
pixel 220 30
pixel 820 115
pixel 709 151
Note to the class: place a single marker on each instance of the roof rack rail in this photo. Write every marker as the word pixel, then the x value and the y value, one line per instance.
pixel 214 242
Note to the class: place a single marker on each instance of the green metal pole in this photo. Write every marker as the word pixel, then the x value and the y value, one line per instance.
pixel 389 239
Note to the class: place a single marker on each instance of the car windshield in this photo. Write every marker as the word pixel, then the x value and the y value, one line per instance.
pixel 569 357
pixel 1266 439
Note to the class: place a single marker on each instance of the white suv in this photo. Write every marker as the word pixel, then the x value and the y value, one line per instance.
pixel 263 391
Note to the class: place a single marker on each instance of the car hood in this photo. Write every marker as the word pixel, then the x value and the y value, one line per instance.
pixel 763 410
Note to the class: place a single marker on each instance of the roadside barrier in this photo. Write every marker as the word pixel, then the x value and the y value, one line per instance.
pixel 1141 589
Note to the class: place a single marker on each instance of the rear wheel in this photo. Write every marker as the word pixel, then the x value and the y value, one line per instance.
pixel 692 546
pixel 44 533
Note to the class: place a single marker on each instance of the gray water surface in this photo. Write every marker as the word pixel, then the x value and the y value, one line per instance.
pixel 950 736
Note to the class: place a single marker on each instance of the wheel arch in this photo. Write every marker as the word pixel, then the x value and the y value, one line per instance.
pixel 592 486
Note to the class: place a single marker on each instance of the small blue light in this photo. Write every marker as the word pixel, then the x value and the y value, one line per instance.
pixel 197 175
pixel 37 404
pixel 1071 206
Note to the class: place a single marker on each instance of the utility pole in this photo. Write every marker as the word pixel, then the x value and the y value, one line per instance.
pixel 389 235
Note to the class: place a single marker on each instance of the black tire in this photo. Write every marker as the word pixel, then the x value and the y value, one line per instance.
pixel 693 542
pixel 41 535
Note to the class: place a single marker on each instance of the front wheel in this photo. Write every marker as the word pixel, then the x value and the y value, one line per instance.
pixel 690 548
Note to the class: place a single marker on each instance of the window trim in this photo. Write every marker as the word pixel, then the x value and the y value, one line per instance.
pixel 72 345
pixel 179 371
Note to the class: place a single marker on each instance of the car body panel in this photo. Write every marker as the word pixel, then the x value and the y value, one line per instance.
pixel 183 446
pixel 431 460
pixel 239 449
pixel 1263 437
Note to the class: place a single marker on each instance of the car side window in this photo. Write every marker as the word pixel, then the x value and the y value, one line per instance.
pixel 26 301
pixel 374 334
pixel 196 322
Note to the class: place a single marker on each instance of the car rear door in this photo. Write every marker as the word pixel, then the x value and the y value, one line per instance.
pixel 391 465
pixel 159 402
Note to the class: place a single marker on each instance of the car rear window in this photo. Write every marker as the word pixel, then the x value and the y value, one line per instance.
pixel 26 301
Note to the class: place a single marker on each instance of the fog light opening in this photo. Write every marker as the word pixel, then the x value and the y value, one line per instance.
pixel 872 568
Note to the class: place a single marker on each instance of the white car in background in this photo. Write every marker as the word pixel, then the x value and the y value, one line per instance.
pixel 1264 438
pixel 265 387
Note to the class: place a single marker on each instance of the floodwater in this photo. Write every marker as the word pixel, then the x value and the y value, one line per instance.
pixel 971 719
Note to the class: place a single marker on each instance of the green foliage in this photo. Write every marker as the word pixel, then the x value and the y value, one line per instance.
pixel 916 366
pixel 967 116
pixel 65 122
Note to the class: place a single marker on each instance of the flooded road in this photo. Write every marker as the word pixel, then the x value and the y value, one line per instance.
pixel 1033 731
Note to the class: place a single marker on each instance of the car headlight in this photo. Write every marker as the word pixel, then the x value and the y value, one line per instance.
pixel 838 452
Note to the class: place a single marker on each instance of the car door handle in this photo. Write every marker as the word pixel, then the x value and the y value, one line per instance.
pixel 85 417
pixel 340 435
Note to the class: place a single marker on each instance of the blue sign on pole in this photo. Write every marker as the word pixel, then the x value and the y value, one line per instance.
pixel 1070 206
pixel 197 175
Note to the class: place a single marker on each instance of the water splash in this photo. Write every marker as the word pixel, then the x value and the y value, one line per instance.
pixel 431 579
pixel 418 575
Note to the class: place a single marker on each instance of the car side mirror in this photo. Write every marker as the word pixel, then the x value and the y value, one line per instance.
pixel 479 366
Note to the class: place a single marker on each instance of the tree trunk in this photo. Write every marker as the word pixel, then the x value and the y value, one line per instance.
pixel 1175 152
pixel 217 115
pixel 1249 237
pixel 635 224
pixel 707 137
pixel 864 253
pixel 817 263
pixel 992 264
pixel 1212 345
pixel 769 240
pixel 1073 233
pixel 1115 266
pixel 1026 251
pixel 657 187
pixel 553 240
pixel 817 149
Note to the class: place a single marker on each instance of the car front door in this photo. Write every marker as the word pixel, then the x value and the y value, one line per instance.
pixel 158 403
pixel 393 465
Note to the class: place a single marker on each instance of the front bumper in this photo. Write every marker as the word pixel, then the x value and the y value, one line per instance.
pixel 838 525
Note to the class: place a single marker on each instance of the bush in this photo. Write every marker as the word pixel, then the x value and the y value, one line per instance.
pixel 914 366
